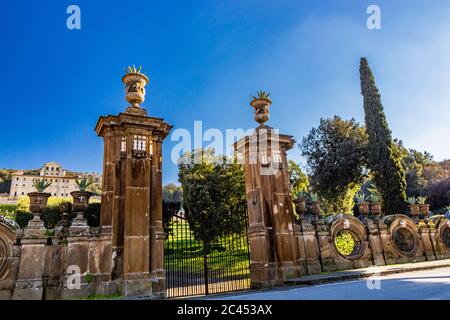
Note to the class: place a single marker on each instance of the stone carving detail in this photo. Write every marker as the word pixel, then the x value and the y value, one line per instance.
pixel 3 256
pixel 445 237
pixel 135 83
pixel 405 241
pixel 7 239
pixel 353 231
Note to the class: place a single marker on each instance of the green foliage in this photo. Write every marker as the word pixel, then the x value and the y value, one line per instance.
pixel 411 200
pixel 92 214
pixel 133 69
pixel 361 197
pixel 23 203
pixel 89 277
pixel 51 215
pixel 345 243
pixel 298 179
pixel 5 180
pixel 83 184
pixel 261 95
pixel 374 198
pixel 214 197
pixel 302 195
pixel 421 200
pixel 314 197
pixel 41 184
pixel 7 209
pixel 335 153
pixel 22 218
pixel 383 159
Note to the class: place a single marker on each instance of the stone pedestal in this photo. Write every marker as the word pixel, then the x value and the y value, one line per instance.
pixel 29 283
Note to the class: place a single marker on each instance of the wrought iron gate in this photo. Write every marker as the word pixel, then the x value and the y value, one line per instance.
pixel 190 272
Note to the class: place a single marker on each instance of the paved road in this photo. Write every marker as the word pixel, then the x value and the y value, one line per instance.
pixel 421 285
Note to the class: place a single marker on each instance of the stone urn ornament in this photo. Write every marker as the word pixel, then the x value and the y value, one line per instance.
pixel 363 204
pixel 424 208
pixel 81 198
pixel 38 202
pixel 300 203
pixel 261 104
pixel 315 206
pixel 135 82
pixel 414 211
pixel 375 203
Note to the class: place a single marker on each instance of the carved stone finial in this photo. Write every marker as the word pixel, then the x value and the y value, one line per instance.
pixel 135 83
pixel 261 104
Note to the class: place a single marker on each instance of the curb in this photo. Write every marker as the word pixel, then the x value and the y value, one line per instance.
pixel 354 275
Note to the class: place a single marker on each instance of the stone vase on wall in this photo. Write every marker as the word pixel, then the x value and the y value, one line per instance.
pixel 375 209
pixel 414 211
pixel 80 202
pixel 424 209
pixel 300 206
pixel 363 208
pixel 38 202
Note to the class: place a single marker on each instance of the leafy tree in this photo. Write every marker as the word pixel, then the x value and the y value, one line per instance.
pixel 5 180
pixel 172 193
pixel 172 197
pixel 335 153
pixel 214 197
pixel 298 179
pixel 382 158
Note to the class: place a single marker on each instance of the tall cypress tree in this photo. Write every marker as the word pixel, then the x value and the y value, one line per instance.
pixel 386 167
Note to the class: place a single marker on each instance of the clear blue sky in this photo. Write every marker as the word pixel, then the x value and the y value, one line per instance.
pixel 204 59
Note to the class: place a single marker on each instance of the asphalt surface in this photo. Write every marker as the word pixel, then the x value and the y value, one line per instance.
pixel 420 285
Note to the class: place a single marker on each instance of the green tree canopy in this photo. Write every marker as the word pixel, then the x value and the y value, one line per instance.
pixel 382 157
pixel 335 153
pixel 214 196
pixel 298 179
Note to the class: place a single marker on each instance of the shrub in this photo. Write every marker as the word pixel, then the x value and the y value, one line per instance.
pixel 22 218
pixel 92 214
pixel 345 243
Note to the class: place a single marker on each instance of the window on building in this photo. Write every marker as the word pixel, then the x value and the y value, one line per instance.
pixel 140 143
pixel 23 193
pixel 123 145
pixel 17 178
pixel 276 156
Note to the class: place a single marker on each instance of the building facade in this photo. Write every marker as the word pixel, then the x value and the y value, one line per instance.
pixel 62 184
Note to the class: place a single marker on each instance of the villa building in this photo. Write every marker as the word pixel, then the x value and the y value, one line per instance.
pixel 62 181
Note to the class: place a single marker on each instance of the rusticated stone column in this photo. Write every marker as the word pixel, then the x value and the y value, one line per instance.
pixel 132 191
pixel 273 246
pixel 375 242
pixel 424 231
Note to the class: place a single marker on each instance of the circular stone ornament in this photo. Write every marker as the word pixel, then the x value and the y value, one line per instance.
pixel 445 237
pixel 4 253
pixel 405 241
pixel 348 244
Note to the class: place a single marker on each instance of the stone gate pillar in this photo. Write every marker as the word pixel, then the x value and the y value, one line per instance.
pixel 273 248
pixel 132 191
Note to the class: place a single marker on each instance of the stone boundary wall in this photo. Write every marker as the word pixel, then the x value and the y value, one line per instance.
pixel 393 239
pixel 39 267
